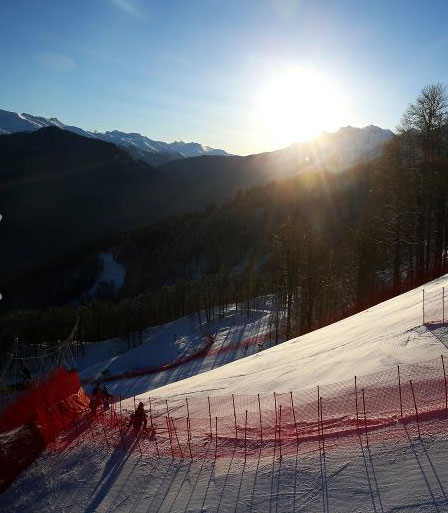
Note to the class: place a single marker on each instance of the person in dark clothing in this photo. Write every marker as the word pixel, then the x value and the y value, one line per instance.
pixel 139 418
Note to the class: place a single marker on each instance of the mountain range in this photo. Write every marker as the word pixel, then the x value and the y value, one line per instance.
pixel 152 152
pixel 60 189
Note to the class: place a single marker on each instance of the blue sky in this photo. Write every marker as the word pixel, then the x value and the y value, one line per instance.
pixel 191 70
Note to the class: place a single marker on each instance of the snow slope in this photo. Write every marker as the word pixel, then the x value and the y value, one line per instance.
pixel 235 336
pixel 397 472
pixel 388 334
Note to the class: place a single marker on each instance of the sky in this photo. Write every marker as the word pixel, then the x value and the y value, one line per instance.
pixel 218 72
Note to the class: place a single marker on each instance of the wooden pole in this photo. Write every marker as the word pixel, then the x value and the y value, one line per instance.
pixel 245 437
pixel 276 420
pixel 216 436
pixel 399 390
pixel 261 423
pixel 177 438
pixel 318 418
pixel 280 431
pixel 234 416
pixel 169 434
pixel 365 416
pixel 356 405
pixel 415 406
pixel 423 306
pixel 444 378
pixel 443 305
pixel 322 428
pixel 294 417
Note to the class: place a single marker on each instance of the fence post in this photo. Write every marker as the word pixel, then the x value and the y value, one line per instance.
pixel 234 417
pixel 444 378
pixel 423 306
pixel 280 431
pixel 415 406
pixel 177 438
pixel 399 390
pixel 322 428
pixel 188 427
pixel 275 427
pixel 169 434
pixel 294 417
pixel 261 423
pixel 318 418
pixel 365 416
pixel 245 438
pixel 216 436
pixel 443 305
pixel 356 404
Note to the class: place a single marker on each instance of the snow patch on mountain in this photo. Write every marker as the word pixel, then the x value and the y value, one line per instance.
pixel 11 122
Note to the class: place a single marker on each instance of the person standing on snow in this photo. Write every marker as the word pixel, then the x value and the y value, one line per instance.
pixel 139 418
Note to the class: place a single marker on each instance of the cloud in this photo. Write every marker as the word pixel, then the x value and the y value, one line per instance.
pixel 128 6
pixel 55 61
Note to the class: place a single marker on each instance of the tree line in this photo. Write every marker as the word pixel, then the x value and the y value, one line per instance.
pixel 319 246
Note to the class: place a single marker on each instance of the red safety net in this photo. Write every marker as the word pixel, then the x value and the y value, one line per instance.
pixel 36 418
pixel 244 425
pixel 52 403
pixel 204 352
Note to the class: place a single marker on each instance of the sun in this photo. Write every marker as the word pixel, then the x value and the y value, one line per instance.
pixel 296 104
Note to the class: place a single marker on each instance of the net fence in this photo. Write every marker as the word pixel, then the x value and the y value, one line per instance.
pixel 244 425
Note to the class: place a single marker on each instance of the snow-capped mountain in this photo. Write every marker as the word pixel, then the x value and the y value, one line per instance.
pixel 154 152
pixel 343 148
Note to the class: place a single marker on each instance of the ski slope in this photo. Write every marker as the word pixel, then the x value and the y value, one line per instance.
pixel 235 335
pixel 383 336
pixel 396 472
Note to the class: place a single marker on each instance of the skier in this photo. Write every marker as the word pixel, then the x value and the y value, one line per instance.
pixel 138 418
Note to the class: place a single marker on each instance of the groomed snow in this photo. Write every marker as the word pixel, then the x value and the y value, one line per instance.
pixel 385 335
pixel 399 473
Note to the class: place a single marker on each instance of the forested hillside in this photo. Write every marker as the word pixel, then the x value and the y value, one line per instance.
pixel 322 244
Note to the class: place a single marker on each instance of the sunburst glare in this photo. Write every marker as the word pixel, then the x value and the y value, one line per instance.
pixel 296 104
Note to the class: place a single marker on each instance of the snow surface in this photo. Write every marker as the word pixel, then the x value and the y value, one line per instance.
pixel 398 472
pixel 234 336
pixel 385 335
pixel 112 273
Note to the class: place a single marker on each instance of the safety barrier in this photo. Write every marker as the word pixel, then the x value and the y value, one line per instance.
pixel 203 352
pixel 243 425
pixel 36 418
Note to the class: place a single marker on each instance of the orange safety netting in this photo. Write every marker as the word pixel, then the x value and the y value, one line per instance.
pixel 219 426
